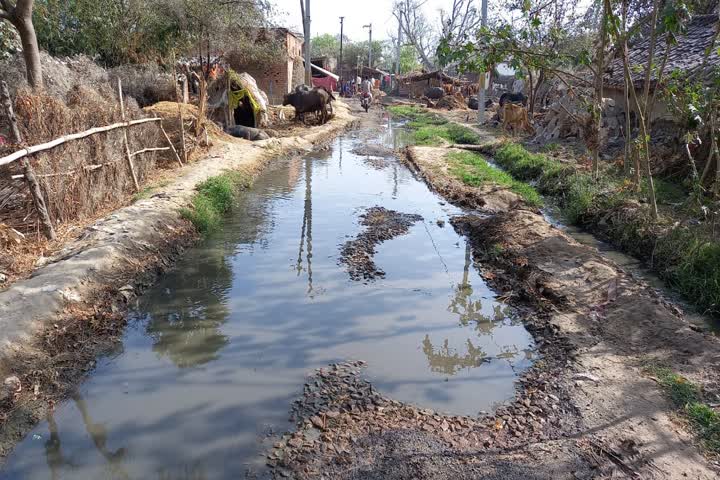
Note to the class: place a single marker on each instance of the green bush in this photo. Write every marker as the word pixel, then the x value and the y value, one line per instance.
pixel 214 198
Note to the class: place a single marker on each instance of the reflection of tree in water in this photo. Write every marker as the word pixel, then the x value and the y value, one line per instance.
pixel 469 310
pixel 186 328
pixel 98 434
pixel 448 361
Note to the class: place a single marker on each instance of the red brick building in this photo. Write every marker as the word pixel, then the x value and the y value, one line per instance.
pixel 277 79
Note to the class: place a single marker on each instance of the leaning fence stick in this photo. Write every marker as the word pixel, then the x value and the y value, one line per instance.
pixel 33 184
pixel 125 139
pixel 146 150
pixel 27 151
pixel 177 157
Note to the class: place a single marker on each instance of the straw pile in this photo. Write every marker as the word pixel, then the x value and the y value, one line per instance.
pixel 80 177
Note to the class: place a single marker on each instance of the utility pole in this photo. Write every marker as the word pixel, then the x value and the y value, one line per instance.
pixel 341 48
pixel 399 47
pixel 481 80
pixel 369 45
pixel 308 71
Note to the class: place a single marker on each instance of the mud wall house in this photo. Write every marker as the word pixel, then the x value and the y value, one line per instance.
pixel 686 56
pixel 278 77
pixel 414 85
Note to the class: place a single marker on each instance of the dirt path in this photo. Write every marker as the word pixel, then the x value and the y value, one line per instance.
pixel 53 324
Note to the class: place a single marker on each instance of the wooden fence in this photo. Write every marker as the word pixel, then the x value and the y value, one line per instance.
pixel 29 174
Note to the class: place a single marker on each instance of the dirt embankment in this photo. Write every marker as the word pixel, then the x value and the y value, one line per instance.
pixel 53 324
pixel 586 409
pixel 616 326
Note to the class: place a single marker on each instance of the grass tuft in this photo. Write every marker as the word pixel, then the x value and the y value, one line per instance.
pixel 472 169
pixel 687 397
pixel 214 198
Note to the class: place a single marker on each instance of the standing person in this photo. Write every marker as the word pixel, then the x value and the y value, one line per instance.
pixel 367 89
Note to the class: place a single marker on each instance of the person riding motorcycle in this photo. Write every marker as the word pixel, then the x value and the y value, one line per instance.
pixel 366 95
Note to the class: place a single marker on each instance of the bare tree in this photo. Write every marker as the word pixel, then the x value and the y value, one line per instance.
pixel 417 30
pixel 19 14
pixel 460 22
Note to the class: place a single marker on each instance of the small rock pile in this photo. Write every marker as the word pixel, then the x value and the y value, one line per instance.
pixel 341 419
pixel 382 225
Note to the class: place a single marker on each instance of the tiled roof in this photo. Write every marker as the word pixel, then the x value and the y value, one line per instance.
pixel 686 55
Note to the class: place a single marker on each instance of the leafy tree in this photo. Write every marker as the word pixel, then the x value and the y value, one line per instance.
pixel 356 54
pixel 326 45
pixel 409 61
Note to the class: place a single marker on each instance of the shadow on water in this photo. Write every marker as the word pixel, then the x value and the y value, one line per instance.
pixel 217 351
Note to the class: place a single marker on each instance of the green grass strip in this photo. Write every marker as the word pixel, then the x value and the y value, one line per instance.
pixel 214 197
pixel 472 169
pixel 686 257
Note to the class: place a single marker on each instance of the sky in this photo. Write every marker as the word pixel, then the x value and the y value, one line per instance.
pixel 324 16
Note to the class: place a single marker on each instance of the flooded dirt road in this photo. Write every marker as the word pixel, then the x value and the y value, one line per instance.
pixel 218 350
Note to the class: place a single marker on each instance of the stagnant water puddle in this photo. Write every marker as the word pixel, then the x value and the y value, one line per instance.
pixel 218 350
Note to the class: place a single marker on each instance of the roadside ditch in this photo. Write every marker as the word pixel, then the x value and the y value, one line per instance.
pixel 55 323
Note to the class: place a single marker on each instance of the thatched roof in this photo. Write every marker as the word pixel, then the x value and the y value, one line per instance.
pixel 421 76
pixel 687 55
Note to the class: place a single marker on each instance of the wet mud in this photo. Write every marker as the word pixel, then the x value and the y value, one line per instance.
pixel 381 225
pixel 348 430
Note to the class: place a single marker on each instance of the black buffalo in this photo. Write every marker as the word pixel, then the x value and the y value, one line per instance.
pixel 513 98
pixel 473 103
pixel 434 93
pixel 248 133
pixel 316 100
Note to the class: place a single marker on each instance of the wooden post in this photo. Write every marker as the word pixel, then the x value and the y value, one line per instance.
pixel 228 111
pixel 172 147
pixel 33 184
pixel 180 110
pixel 125 138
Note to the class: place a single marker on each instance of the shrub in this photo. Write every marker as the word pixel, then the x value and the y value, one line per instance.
pixel 214 198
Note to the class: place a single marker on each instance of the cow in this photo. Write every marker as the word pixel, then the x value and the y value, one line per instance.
pixel 516 117
pixel 513 98
pixel 248 133
pixel 310 101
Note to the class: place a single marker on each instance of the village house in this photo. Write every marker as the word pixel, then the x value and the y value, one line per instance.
pixel 687 56
pixel 278 78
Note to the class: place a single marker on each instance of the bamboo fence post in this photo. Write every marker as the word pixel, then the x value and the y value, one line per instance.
pixel 180 113
pixel 125 138
pixel 172 147
pixel 33 184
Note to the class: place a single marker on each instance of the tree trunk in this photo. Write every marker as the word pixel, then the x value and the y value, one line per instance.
pixel 21 18
pixel 648 68
pixel 627 160
pixel 599 93
pixel 644 139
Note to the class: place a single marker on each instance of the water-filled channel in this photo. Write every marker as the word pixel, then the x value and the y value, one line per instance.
pixel 216 352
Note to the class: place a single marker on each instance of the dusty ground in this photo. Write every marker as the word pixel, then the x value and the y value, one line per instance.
pixel 381 225
pixel 54 323
pixel 585 410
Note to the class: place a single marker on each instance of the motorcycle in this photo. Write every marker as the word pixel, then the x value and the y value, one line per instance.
pixel 365 101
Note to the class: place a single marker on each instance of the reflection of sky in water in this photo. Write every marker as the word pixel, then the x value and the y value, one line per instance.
pixel 221 346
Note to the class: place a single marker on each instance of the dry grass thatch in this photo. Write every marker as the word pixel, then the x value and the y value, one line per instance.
pixel 82 176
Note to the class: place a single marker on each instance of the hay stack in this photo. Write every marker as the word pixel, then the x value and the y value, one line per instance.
pixel 81 177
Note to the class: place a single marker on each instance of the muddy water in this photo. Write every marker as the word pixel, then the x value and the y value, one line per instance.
pixel 217 351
